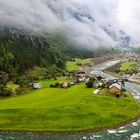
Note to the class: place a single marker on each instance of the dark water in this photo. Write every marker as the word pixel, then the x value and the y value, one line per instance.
pixel 128 132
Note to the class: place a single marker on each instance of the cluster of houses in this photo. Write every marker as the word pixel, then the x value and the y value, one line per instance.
pixel 114 85
pixel 135 58
pixel 80 76
pixel 131 57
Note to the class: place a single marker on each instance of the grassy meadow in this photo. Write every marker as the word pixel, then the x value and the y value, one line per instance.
pixel 72 65
pixel 128 65
pixel 72 109
pixel 120 68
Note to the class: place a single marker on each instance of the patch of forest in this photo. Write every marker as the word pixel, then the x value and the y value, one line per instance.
pixel 47 54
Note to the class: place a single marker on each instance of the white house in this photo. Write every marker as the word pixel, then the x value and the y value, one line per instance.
pixel 65 85
pixel 37 86
pixel 96 91
pixel 99 84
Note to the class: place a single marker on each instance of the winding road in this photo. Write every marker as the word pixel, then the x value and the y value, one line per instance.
pixel 133 88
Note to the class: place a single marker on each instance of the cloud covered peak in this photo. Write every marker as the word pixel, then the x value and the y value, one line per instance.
pixel 91 23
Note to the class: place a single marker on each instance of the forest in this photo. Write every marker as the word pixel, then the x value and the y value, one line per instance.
pixel 47 54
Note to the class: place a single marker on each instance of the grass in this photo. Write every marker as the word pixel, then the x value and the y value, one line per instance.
pixel 122 68
pixel 129 65
pixel 47 83
pixel 73 109
pixel 71 66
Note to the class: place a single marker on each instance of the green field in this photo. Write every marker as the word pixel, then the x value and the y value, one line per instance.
pixel 47 83
pixel 73 109
pixel 128 65
pixel 73 65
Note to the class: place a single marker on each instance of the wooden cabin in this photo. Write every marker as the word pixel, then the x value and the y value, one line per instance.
pixel 116 89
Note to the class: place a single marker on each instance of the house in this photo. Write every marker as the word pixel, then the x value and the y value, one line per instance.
pixel 96 91
pixel 116 88
pixel 99 84
pixel 80 73
pixel 111 82
pixel 99 78
pixel 126 76
pixel 87 80
pixel 82 79
pixel 65 85
pixel 37 86
pixel 72 83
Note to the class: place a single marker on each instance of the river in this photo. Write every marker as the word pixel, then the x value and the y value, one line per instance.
pixel 127 132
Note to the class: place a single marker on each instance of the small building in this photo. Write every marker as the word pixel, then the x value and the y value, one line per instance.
pixel 98 85
pixel 87 80
pixel 96 91
pixel 116 89
pixel 99 78
pixel 126 76
pixel 65 85
pixel 113 81
pixel 37 86
pixel 72 83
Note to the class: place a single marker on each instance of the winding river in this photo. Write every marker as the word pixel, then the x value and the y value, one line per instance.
pixel 127 132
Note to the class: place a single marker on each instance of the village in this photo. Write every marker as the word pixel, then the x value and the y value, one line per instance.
pixel 81 93
pixel 101 84
pixel 113 87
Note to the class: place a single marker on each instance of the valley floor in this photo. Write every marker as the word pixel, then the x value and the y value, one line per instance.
pixel 63 110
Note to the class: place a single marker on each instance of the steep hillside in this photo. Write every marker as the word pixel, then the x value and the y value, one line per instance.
pixel 20 51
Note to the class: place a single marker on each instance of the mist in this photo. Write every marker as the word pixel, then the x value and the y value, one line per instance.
pixel 90 23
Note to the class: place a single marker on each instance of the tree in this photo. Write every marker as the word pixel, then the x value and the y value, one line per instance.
pixel 91 82
pixel 4 77
pixel 123 83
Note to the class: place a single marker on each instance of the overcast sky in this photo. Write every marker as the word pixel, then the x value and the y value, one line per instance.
pixel 84 20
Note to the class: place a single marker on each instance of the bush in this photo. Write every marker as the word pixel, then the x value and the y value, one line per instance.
pixel 126 95
pixel 79 64
pixel 6 92
pixel 52 86
pixel 89 84
pixel 57 84
pixel 123 90
pixel 21 90
pixel 104 85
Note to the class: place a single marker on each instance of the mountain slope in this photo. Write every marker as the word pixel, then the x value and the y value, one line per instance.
pixel 34 50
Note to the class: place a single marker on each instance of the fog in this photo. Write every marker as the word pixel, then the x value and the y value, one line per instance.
pixel 91 23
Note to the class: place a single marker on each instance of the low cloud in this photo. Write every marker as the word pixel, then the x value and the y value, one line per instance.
pixel 91 23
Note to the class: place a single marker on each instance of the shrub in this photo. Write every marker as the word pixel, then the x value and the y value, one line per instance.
pixel 89 84
pixel 52 86
pixel 123 90
pixel 79 64
pixel 126 95
pixel 6 92
pixel 57 84
pixel 21 90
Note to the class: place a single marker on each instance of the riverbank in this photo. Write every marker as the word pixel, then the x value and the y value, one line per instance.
pixel 68 111
pixel 49 133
